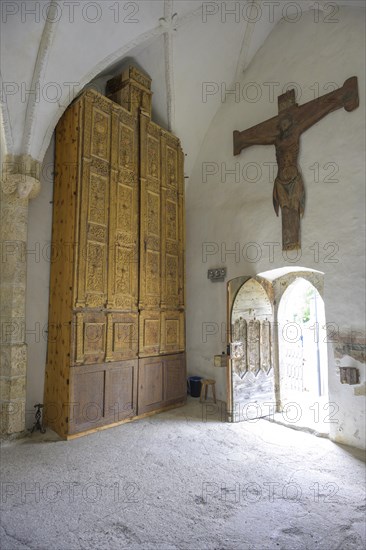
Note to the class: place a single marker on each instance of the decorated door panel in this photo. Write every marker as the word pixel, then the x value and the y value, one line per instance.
pixel 251 372
pixel 120 205
pixel 171 227
pixel 149 333
pixel 90 336
pixel 172 331
pixel 92 252
pixel 150 216
pixel 122 336
pixel 124 214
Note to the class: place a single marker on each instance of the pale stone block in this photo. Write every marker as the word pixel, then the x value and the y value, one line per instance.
pixel 12 330
pixel 12 388
pixel 12 417
pixel 13 301
pixel 13 262
pixel 13 360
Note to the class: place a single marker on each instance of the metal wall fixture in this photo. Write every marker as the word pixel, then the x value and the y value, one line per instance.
pixel 217 274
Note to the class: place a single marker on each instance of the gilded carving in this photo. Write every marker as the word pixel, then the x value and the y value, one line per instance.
pixel 122 272
pixel 152 273
pixel 172 332
pixel 171 275
pixel 153 211
pixel 95 268
pixel 126 149
pixel 172 172
pixel 153 157
pixel 124 336
pixel 100 141
pixel 171 213
pixel 94 337
pixel 97 199
pixel 124 208
pixel 96 233
pixel 99 166
pixel 151 332
pixel 79 338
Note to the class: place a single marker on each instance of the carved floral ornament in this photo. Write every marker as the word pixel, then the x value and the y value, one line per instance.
pixel 25 187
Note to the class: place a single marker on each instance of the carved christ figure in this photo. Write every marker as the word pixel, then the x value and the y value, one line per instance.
pixel 284 131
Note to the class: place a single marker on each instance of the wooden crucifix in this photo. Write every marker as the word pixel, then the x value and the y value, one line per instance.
pixel 284 131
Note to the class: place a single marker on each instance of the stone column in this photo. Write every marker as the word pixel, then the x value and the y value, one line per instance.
pixel 19 183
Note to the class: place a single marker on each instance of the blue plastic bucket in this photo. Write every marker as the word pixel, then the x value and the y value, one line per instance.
pixel 194 385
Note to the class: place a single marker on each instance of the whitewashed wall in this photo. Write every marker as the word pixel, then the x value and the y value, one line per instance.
pixel 234 212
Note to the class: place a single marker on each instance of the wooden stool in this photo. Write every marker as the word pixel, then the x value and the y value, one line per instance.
pixel 205 383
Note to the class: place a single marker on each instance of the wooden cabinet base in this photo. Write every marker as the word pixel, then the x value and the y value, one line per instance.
pixel 108 394
pixel 162 380
pixel 132 419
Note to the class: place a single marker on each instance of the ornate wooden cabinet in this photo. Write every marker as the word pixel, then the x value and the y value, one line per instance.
pixel 116 316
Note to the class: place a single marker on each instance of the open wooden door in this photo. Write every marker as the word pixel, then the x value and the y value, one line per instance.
pixel 250 383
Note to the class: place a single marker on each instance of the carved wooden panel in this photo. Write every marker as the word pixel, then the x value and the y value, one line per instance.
pixel 119 291
pixel 150 215
pixel 151 384
pixel 92 250
pixel 149 333
pixel 122 336
pixel 254 346
pixel 172 332
pixel 102 394
pixel 121 391
pixel 89 336
pixel 87 406
pixel 172 269
pixel 124 215
pixel 162 381
pixel 265 346
pixel 250 373
pixel 175 384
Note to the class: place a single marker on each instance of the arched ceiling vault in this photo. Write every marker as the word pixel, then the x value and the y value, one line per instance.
pixel 193 51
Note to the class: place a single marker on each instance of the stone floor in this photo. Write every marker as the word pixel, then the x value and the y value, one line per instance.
pixel 183 480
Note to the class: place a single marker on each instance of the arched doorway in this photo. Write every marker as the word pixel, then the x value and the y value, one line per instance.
pixel 303 362
pixel 251 391
pixel 286 310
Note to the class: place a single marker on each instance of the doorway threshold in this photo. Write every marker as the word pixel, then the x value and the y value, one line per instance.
pixel 319 429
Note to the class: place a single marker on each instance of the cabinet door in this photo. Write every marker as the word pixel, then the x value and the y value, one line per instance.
pixel 102 394
pixel 121 391
pixel 89 338
pixel 175 384
pixel 151 384
pixel 172 265
pixel 149 333
pixel 124 214
pixel 122 336
pixel 172 331
pixel 150 237
pixel 162 382
pixel 93 203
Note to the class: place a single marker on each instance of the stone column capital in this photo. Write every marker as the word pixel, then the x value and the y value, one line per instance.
pixel 21 177
pixel 25 187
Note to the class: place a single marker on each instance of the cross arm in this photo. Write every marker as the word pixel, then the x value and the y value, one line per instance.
pixel 315 110
pixel 264 133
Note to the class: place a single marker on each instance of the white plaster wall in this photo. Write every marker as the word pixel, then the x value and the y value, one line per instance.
pixel 38 284
pixel 231 214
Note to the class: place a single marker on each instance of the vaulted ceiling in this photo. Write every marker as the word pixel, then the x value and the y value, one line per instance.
pixel 194 51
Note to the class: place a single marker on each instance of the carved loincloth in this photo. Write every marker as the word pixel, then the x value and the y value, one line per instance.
pixel 289 194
